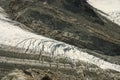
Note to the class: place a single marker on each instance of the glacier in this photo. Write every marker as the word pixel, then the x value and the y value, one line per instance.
pixel 13 34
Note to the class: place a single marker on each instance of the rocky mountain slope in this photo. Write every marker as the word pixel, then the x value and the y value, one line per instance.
pixel 75 22
pixel 68 21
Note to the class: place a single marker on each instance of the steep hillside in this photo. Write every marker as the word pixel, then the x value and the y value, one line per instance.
pixel 70 21
pixel 69 36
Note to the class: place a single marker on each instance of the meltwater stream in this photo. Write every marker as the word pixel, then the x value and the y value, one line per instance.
pixel 12 34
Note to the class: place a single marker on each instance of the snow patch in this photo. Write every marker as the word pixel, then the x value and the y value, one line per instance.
pixel 110 7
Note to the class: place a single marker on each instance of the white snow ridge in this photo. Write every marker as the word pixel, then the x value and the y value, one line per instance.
pixel 13 35
pixel 110 7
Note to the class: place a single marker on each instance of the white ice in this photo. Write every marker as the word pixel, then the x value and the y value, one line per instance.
pixel 13 35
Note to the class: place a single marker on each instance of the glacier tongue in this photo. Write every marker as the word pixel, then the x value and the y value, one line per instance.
pixel 13 35
pixel 110 7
